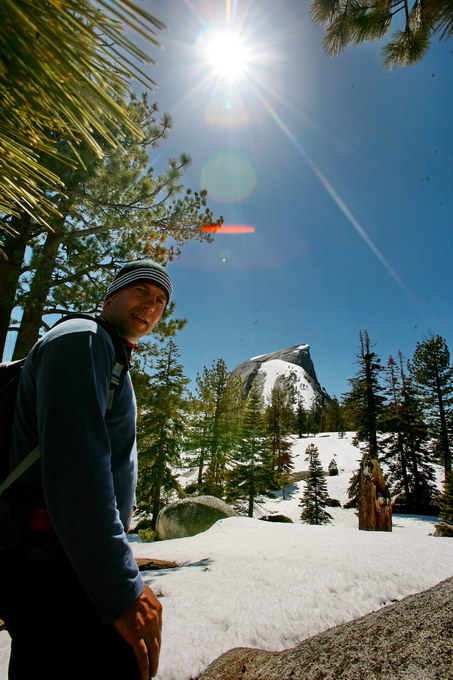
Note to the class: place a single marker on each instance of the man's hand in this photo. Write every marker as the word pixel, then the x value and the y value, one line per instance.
pixel 141 627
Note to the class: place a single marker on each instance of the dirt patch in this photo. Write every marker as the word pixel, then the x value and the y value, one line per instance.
pixel 145 564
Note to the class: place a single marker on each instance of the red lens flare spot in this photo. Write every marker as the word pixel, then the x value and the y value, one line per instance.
pixel 228 229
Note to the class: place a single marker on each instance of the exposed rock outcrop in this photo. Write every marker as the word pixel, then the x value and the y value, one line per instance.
pixel 291 366
pixel 409 640
pixel 191 516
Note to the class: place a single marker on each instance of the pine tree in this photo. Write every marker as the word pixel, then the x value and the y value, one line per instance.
pixel 350 413
pixel 333 467
pixel 433 373
pixel 366 396
pixel 300 418
pixel 198 433
pixel 351 23
pixel 64 67
pixel 332 416
pixel 353 490
pixel 314 417
pixel 279 419
pixel 314 497
pixel 115 209
pixel 251 474
pixel 446 507
pixel 214 426
pixel 405 443
pixel 160 429
pixel 393 442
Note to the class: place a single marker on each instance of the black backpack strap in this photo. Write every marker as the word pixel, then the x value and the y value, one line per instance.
pixel 10 372
pixel 122 360
pixel 121 366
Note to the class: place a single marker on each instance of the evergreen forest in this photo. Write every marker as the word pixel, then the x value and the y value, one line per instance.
pixel 240 446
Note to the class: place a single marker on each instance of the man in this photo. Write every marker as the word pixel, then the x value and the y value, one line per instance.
pixel 72 598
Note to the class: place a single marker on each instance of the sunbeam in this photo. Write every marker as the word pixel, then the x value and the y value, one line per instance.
pixel 332 193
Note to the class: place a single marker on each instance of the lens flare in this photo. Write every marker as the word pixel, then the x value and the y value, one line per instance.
pixel 228 229
pixel 227 113
pixel 333 194
pixel 228 178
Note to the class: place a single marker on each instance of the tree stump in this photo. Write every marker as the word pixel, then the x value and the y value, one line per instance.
pixel 375 508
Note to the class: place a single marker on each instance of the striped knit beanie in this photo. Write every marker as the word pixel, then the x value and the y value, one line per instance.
pixel 141 270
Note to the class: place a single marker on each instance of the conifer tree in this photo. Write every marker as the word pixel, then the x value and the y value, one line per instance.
pixel 393 442
pixel 350 23
pixel 279 419
pixel 405 443
pixel 353 489
pixel 314 417
pixel 366 395
pixel 300 418
pixel 373 495
pixel 350 413
pixel 214 426
pixel 333 468
pixel 199 427
pixel 160 429
pixel 332 416
pixel 433 373
pixel 416 433
pixel 446 507
pixel 114 210
pixel 65 68
pixel 314 498
pixel 251 474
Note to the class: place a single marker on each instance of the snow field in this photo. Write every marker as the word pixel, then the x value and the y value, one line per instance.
pixel 250 583
pixel 260 584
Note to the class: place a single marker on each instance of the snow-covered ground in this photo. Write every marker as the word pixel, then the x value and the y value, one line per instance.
pixel 250 583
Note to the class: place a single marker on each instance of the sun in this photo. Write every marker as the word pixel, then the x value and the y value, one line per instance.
pixel 226 53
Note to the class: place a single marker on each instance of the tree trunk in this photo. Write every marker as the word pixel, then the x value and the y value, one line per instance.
pixel 201 466
pixel 251 502
pixel 36 299
pixel 404 469
pixel 418 487
pixel 375 509
pixel 10 270
pixel 371 410
pixel 443 429
pixel 156 499
pixel 252 491
pixel 159 477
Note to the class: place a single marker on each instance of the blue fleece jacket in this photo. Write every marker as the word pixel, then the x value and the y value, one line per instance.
pixel 88 465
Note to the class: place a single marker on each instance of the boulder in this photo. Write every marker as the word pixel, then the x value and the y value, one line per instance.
pixel 191 516
pixel 409 640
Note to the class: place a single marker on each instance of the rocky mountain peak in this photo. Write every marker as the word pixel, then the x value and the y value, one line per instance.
pixel 290 366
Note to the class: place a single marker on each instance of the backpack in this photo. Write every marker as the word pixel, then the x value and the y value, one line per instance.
pixel 10 372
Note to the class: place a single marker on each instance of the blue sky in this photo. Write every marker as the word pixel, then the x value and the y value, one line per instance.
pixel 343 169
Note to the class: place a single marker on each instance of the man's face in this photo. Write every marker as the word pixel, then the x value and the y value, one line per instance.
pixel 136 310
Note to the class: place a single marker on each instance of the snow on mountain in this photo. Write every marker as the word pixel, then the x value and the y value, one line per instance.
pixel 290 368
pixel 276 371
